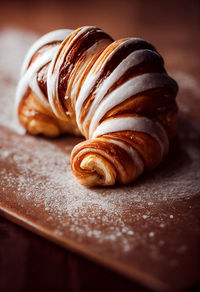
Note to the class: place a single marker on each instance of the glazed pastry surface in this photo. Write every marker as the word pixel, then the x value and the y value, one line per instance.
pixel 116 94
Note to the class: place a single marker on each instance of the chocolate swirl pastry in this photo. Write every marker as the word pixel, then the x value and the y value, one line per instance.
pixel 117 94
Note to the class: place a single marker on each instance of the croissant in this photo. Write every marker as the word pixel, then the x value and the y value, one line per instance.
pixel 116 94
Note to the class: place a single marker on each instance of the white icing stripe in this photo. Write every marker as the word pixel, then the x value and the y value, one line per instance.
pixel 138 124
pixel 98 46
pixel 91 79
pixel 132 153
pixel 86 87
pixel 134 59
pixel 30 77
pixel 124 43
pixel 53 36
pixel 130 88
pixel 53 75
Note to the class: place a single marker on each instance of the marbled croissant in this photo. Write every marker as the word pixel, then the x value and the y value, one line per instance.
pixel 117 94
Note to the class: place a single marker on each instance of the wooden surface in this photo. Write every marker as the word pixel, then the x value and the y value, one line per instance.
pixel 158 245
pixel 31 263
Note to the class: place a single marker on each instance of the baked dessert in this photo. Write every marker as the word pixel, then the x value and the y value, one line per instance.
pixel 116 94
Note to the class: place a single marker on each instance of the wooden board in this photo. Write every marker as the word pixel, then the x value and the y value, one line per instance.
pixel 148 231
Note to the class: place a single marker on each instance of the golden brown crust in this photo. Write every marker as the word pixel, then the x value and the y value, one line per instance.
pixel 88 70
pixel 110 163
pixel 36 119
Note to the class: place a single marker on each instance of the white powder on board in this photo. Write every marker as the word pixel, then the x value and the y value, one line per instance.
pixel 151 234
pixel 43 180
pixel 14 45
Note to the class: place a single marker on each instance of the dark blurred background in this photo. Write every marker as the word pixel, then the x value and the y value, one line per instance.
pixel 167 24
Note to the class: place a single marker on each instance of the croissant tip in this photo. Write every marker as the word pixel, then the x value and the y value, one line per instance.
pixel 93 170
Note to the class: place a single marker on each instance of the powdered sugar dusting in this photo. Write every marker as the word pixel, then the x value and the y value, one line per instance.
pixel 11 39
pixel 15 44
pixel 38 175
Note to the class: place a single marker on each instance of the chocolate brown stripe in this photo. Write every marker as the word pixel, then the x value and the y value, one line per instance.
pixel 42 79
pixel 78 47
pixel 42 73
pixel 123 52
